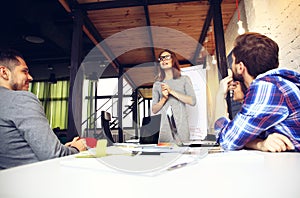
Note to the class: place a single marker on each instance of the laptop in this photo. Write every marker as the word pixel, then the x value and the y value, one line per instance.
pixel 210 142
pixel 149 132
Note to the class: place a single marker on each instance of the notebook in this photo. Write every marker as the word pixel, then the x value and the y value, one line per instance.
pixel 150 128
pixel 201 143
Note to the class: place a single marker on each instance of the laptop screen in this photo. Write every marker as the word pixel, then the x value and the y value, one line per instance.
pixel 150 128
pixel 177 139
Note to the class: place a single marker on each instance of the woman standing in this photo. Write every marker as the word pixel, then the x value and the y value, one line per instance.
pixel 175 90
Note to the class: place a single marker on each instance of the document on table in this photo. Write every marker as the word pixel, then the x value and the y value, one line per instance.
pixel 148 165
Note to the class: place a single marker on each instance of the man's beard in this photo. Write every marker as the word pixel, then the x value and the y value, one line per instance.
pixel 17 87
pixel 240 78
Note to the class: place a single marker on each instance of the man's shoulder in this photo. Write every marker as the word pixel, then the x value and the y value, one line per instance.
pixel 281 78
pixel 25 94
pixel 16 95
pixel 279 74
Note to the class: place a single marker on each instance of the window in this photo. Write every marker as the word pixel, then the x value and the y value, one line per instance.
pixel 54 98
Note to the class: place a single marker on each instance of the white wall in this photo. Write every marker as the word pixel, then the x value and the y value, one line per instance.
pixel 277 19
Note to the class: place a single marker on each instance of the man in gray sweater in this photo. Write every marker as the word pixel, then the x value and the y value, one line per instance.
pixel 25 134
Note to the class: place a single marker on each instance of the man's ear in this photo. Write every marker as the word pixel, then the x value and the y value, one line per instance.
pixel 241 68
pixel 4 72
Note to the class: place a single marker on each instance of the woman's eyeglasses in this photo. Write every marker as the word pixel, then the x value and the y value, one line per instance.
pixel 166 57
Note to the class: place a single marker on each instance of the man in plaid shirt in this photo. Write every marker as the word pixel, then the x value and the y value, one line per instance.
pixel 269 119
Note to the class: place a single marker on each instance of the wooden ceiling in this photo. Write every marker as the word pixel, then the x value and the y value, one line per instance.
pixel 135 32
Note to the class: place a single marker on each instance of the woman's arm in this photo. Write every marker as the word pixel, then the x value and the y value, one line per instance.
pixel 157 107
pixel 183 98
pixel 188 98
pixel 158 101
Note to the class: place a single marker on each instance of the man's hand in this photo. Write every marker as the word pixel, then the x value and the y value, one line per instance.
pixel 226 84
pixel 275 142
pixel 80 144
pixel 238 94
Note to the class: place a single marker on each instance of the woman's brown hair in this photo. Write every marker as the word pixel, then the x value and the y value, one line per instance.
pixel 175 67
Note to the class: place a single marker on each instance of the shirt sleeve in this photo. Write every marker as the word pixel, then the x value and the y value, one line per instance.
pixel 155 93
pixel 263 108
pixel 189 90
pixel 33 125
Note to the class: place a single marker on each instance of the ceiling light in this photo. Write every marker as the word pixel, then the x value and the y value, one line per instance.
pixel 241 30
pixel 214 61
pixel 34 39
pixel 50 68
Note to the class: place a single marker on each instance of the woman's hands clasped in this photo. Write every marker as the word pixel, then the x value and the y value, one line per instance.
pixel 165 89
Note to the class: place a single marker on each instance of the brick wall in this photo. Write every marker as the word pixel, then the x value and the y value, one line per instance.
pixel 277 19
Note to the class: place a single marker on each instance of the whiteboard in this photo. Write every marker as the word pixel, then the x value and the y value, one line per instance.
pixel 197 114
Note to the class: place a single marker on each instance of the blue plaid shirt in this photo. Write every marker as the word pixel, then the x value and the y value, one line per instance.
pixel 272 104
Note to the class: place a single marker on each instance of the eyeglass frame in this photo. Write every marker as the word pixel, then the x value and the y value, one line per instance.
pixel 166 57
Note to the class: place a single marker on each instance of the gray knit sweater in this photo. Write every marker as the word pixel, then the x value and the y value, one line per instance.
pixel 181 85
pixel 25 134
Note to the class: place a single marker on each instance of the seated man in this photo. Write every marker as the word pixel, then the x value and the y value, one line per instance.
pixel 25 134
pixel 269 119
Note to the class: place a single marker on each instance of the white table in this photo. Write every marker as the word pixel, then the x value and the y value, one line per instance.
pixel 230 174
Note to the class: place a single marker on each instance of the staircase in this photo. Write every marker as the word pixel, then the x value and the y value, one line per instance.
pixel 91 125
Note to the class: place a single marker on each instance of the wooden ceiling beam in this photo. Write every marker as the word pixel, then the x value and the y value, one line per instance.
pixel 97 39
pixel 127 3
pixel 90 30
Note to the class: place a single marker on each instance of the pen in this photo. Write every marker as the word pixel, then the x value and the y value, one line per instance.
pixel 177 166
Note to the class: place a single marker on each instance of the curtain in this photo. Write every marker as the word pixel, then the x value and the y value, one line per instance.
pixel 90 105
pixel 54 98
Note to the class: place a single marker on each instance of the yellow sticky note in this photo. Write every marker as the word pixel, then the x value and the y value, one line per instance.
pixel 101 148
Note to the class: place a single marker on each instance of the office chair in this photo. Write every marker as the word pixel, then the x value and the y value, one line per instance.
pixel 105 124
pixel 149 132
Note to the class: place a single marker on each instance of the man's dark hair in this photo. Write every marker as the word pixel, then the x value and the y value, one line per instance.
pixel 258 52
pixel 8 58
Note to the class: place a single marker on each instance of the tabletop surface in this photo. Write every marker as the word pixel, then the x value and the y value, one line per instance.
pixel 226 174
